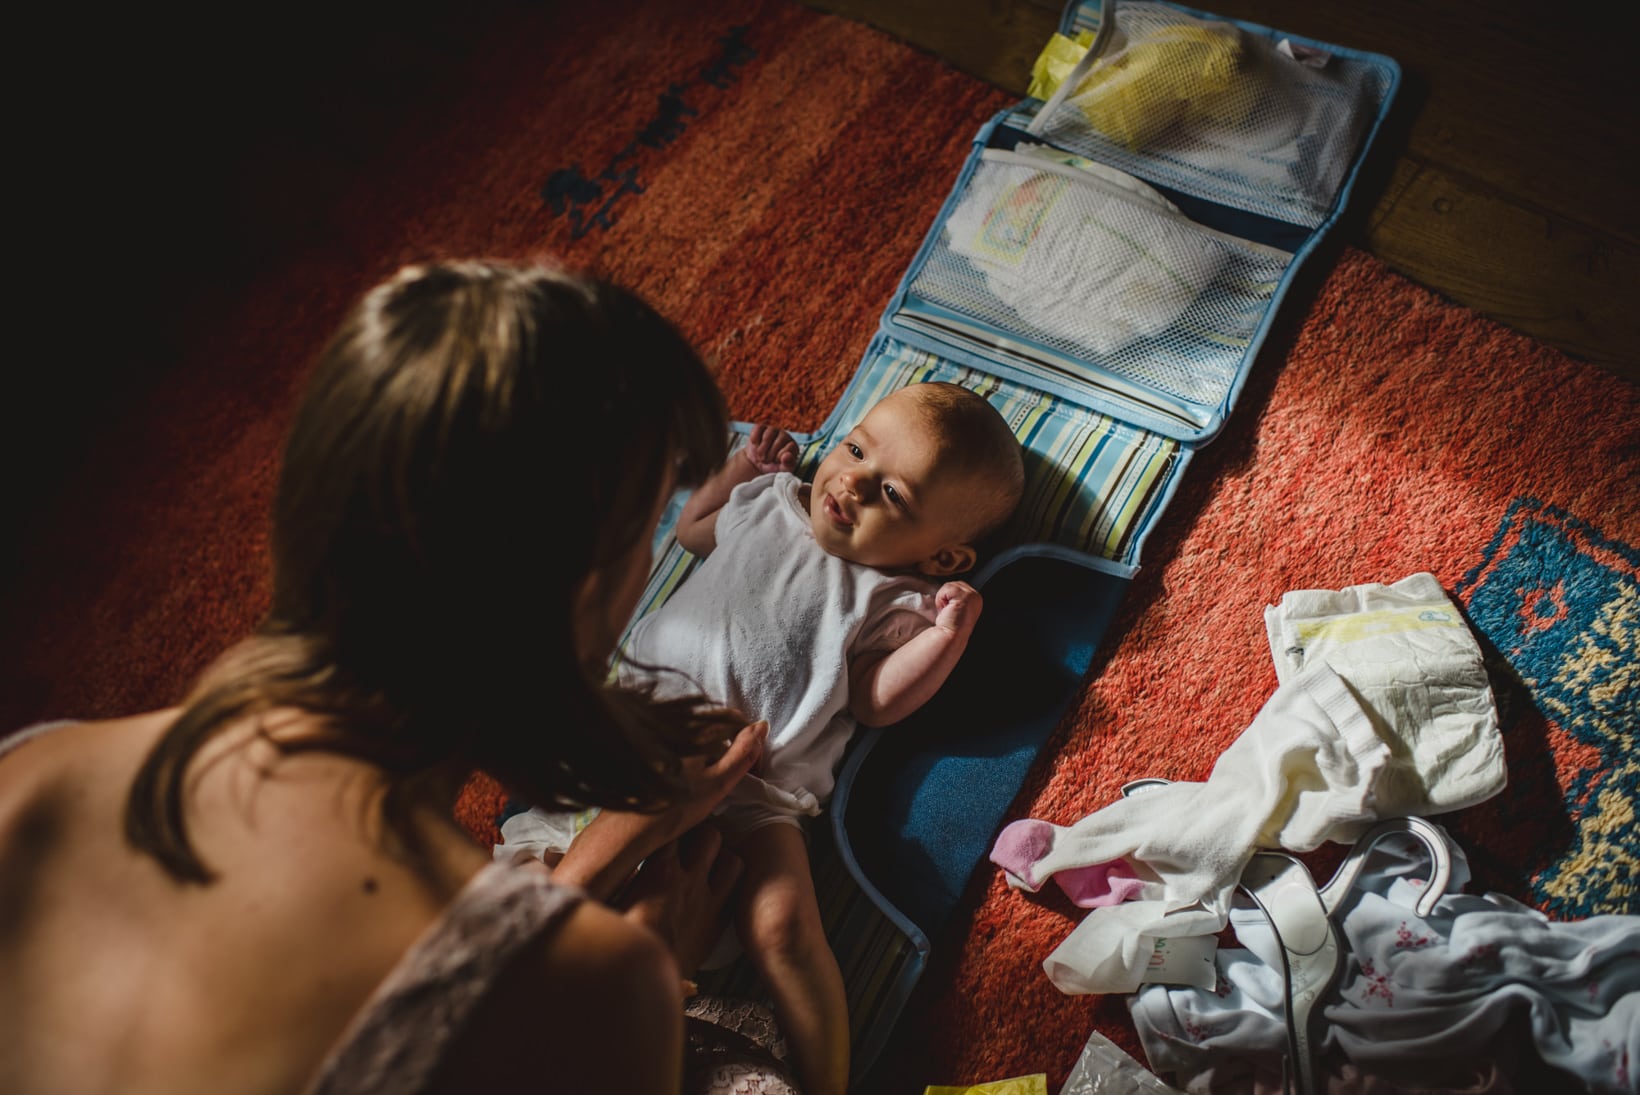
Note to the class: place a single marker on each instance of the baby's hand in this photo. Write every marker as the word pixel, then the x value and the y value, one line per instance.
pixel 770 449
pixel 957 607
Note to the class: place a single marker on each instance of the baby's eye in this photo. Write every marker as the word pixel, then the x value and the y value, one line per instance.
pixel 854 450
pixel 892 494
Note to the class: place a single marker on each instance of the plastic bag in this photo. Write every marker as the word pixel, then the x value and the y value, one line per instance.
pixel 1104 1069
pixel 1055 62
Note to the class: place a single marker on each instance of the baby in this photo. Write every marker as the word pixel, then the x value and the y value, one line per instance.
pixel 818 607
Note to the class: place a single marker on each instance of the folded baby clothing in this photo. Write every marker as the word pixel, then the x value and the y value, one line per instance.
pixel 1386 712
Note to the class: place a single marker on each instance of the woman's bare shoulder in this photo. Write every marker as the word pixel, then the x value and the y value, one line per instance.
pixel 50 770
pixel 596 1005
pixel 55 739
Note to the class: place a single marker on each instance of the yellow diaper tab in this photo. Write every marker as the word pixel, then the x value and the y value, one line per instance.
pixel 1034 1084
pixel 1389 621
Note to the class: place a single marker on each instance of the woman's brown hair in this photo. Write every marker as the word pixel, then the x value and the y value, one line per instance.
pixel 477 437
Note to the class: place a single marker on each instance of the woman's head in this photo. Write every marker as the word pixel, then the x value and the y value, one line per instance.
pixel 477 438
pixel 471 480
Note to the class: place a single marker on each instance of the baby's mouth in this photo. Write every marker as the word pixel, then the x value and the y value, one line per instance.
pixel 834 513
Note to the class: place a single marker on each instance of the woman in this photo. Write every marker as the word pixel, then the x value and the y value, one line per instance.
pixel 263 890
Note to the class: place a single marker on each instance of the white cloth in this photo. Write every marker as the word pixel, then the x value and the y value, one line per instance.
pixel 1322 760
pixel 768 624
pixel 1409 658
pixel 538 833
pixel 1304 766
pixel 1416 994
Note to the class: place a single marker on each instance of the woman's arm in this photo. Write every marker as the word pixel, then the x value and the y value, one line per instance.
pixel 597 1004
pixel 594 1006
pixel 605 854
pixel 682 895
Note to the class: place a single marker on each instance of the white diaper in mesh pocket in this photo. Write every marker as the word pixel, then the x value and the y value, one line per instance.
pixel 1086 263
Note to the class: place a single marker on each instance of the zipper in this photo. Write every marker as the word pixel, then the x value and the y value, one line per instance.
pixel 1088 178
pixel 999 347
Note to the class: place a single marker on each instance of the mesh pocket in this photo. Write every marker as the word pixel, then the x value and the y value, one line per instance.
pixel 1219 113
pixel 1100 277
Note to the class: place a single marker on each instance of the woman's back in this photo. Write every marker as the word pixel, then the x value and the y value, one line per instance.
pixel 271 903
pixel 115 975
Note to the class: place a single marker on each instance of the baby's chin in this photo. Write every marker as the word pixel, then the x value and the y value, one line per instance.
pixel 833 544
pixel 831 541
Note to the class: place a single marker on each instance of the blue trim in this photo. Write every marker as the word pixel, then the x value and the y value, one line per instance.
pixel 1012 555
pixel 898 994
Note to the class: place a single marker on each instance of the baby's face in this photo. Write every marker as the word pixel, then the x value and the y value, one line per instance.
pixel 880 497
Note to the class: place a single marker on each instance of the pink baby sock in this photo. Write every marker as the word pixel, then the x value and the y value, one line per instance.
pixel 1022 843
pixel 1101 884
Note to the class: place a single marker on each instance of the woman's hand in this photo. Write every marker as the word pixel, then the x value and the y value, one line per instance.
pixel 680 894
pixel 686 874
pixel 609 849
pixel 709 782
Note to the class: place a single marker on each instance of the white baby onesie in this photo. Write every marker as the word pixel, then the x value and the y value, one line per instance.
pixel 768 624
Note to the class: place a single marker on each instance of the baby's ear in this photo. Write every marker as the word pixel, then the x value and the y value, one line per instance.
pixel 949 560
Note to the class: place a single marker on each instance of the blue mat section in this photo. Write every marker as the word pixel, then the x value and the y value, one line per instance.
pixel 920 803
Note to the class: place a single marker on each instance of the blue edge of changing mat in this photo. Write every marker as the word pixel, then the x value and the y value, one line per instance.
pixel 917 805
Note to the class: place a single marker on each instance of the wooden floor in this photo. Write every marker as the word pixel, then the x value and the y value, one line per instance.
pixel 1505 179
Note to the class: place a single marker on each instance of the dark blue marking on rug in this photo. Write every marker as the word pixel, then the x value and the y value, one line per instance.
pixel 589 201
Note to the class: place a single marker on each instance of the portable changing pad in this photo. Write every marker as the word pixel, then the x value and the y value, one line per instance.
pixel 1105 270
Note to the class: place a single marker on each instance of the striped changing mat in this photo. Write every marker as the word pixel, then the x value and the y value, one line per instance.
pixel 1093 486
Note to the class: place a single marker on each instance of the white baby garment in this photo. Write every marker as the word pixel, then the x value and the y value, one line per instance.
pixel 1415 994
pixel 1386 712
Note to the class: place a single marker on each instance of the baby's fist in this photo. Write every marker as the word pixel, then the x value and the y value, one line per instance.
pixel 957 607
pixel 771 449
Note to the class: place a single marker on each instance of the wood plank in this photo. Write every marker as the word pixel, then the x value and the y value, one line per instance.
pixel 1529 269
pixel 1537 103
pixel 994 41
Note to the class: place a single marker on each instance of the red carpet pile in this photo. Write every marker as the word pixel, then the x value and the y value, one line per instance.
pixel 765 179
